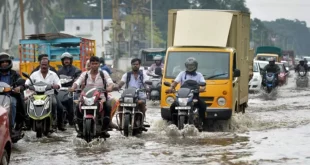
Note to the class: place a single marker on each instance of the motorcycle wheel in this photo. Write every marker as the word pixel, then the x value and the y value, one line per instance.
pixel 181 122
pixel 5 158
pixel 39 129
pixel 87 128
pixel 126 125
pixel 47 126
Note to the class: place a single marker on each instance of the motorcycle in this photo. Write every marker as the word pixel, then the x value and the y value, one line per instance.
pixel 186 103
pixel 155 87
pixel 131 118
pixel 93 113
pixel 5 101
pixel 270 82
pixel 66 98
pixel 302 79
pixel 39 107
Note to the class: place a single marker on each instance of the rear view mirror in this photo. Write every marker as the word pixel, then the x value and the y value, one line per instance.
pixel 25 74
pixel 168 84
pixel 237 73
pixel 148 82
pixel 20 81
pixel 202 84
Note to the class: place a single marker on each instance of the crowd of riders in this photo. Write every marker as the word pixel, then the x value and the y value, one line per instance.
pixel 97 74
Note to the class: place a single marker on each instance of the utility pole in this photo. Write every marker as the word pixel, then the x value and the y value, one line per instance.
pixel 151 23
pixel 7 27
pixel 115 16
pixel 102 30
pixel 21 4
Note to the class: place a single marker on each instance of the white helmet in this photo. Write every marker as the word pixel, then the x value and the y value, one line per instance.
pixel 157 58
pixel 66 55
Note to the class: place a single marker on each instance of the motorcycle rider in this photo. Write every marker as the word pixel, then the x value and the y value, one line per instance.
pixel 158 64
pixel 136 79
pixel 69 70
pixel 303 65
pixel 191 73
pixel 40 57
pixel 47 76
pixel 10 76
pixel 271 68
pixel 104 66
pixel 99 79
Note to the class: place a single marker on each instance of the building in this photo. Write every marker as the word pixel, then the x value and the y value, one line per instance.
pixel 91 28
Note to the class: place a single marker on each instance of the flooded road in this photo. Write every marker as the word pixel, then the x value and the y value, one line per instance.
pixel 270 132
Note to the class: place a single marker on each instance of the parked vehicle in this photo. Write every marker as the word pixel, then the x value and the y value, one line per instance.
pixel 256 81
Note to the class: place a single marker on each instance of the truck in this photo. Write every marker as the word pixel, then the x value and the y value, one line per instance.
pixel 219 40
pixel 263 53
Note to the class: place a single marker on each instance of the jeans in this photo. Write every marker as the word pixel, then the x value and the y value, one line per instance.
pixel 13 110
pixel 57 109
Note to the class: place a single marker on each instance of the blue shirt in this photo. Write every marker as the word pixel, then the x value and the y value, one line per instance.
pixel 6 78
pixel 106 68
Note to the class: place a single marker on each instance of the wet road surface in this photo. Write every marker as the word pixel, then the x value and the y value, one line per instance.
pixel 270 132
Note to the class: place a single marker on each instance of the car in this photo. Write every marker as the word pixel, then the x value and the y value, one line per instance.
pixel 5 139
pixel 283 76
pixel 256 81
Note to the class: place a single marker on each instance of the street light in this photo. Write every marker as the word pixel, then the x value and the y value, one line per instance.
pixel 151 23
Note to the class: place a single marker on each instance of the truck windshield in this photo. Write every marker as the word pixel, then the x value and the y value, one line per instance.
pixel 150 55
pixel 209 64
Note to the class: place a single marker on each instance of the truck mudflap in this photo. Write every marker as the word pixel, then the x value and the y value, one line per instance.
pixel 211 113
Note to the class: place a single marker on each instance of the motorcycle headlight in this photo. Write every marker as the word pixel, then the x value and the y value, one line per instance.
pixel 169 100
pixel 89 101
pixel 128 100
pixel 40 88
pixel 221 101
pixel 182 101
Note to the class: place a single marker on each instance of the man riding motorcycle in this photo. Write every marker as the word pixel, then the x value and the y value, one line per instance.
pixel 104 66
pixel 271 68
pixel 47 76
pixel 69 70
pixel 158 63
pixel 136 79
pixel 99 79
pixel 10 77
pixel 191 73
pixel 301 64
pixel 40 57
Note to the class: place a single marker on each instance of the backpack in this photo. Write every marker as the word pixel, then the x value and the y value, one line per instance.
pixel 103 80
pixel 129 77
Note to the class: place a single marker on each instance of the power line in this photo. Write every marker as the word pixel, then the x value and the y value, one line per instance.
pixel 48 17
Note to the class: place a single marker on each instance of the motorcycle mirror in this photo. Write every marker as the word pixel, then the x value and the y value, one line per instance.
pixel 168 84
pixel 20 81
pixel 25 75
pixel 148 82
pixel 202 84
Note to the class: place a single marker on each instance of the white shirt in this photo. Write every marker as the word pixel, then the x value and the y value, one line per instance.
pixel 98 80
pixel 51 78
pixel 182 77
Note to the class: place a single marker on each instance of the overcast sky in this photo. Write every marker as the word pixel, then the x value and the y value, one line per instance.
pixel 268 10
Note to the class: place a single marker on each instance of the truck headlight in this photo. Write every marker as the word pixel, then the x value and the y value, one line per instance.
pixel 169 100
pixel 221 101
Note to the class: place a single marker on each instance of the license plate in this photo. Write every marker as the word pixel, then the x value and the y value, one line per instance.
pixel 128 104
pixel 89 107
pixel 183 107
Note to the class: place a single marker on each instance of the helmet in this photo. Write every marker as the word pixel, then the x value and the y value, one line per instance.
pixel 6 57
pixel 301 62
pixel 102 61
pixel 157 58
pixel 66 55
pixel 272 61
pixel 191 64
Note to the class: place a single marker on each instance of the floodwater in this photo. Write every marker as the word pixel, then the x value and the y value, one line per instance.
pixel 272 131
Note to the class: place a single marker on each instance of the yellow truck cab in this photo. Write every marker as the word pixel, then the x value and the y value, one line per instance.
pixel 219 40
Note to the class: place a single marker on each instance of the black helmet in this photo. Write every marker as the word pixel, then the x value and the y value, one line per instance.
pixel 301 62
pixel 66 55
pixel 191 64
pixel 102 61
pixel 6 57
pixel 272 61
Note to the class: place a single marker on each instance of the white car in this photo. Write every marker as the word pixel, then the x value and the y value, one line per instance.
pixel 256 81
